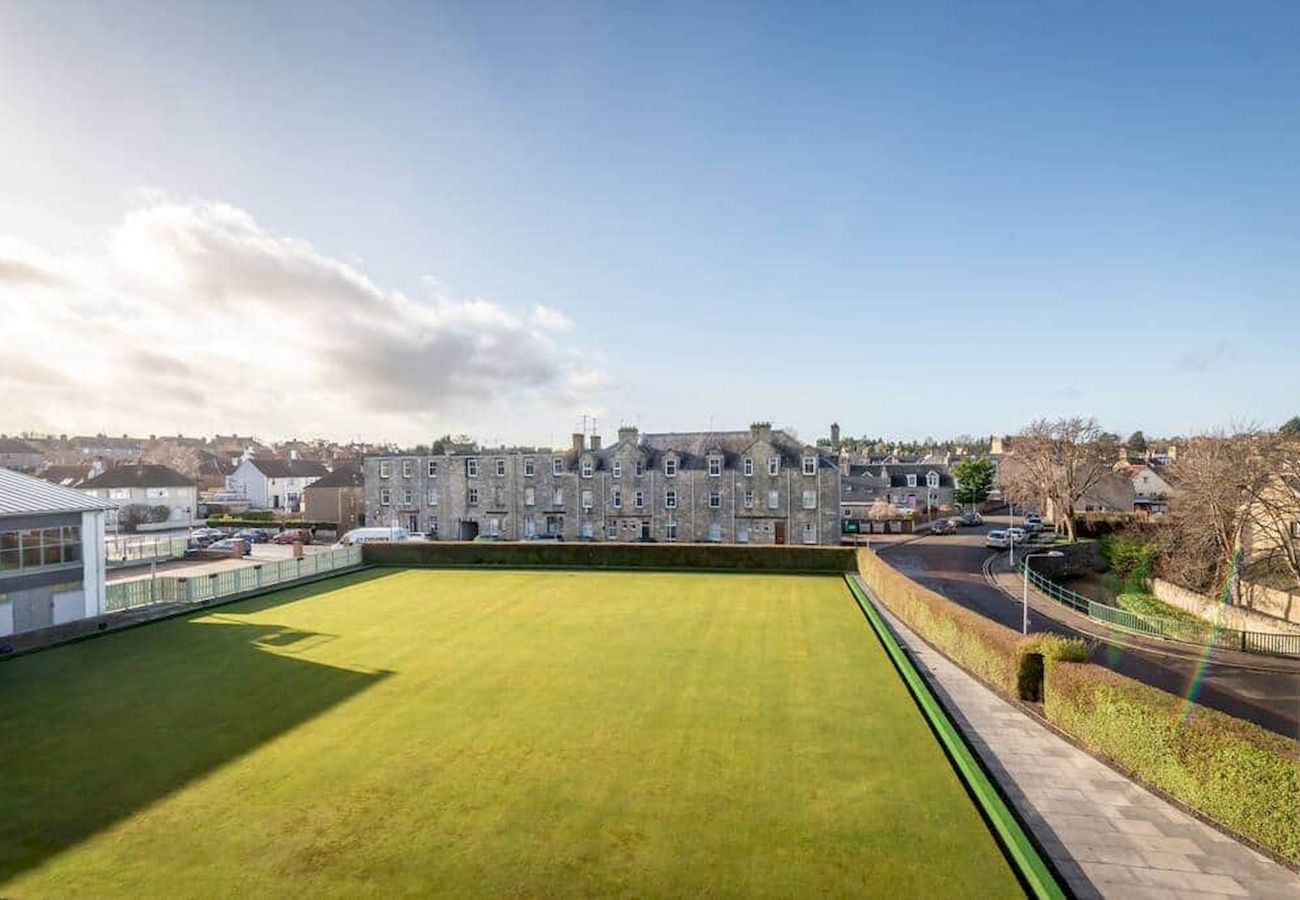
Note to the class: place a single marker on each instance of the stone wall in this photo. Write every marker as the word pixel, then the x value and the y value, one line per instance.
pixel 1250 616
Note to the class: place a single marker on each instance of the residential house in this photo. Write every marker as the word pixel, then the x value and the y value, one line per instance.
pixel 338 497
pixel 18 455
pixel 68 476
pixel 1151 489
pixel 149 487
pixel 274 483
pixel 760 486
pixel 51 553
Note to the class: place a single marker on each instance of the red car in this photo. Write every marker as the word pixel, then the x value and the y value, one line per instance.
pixel 293 536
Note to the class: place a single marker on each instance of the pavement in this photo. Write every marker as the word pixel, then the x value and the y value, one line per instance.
pixel 1106 835
pixel 1263 690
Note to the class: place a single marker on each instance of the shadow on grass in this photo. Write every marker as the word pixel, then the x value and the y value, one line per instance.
pixel 96 731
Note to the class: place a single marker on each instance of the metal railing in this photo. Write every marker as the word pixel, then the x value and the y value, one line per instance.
pixel 122 595
pixel 138 549
pixel 1164 627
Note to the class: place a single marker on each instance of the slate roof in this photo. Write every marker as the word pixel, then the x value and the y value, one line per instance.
pixel 289 468
pixel 898 473
pixel 14 445
pixel 22 495
pixel 67 476
pixel 345 476
pixel 138 476
pixel 694 447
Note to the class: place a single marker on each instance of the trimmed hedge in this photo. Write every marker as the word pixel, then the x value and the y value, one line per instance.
pixel 1228 769
pixel 828 560
pixel 246 522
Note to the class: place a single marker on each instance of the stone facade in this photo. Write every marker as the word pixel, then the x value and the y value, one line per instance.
pixel 758 486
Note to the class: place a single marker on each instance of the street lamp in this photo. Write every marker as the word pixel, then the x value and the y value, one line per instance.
pixel 1050 554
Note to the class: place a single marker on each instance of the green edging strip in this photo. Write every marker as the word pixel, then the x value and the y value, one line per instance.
pixel 1032 869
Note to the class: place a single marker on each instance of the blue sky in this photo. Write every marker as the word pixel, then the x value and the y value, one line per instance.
pixel 913 219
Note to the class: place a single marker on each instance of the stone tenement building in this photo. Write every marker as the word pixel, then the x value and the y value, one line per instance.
pixel 757 487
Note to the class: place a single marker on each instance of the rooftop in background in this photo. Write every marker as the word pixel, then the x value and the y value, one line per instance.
pixel 139 476
pixel 23 495
pixel 289 468
pixel 342 477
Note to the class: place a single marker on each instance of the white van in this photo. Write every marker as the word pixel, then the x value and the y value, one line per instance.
pixel 358 536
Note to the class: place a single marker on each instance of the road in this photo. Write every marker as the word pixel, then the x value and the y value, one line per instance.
pixel 1267 694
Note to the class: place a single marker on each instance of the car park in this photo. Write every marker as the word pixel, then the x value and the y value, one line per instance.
pixel 298 536
pixel 943 526
pixel 254 535
pixel 997 538
pixel 230 544
pixel 970 517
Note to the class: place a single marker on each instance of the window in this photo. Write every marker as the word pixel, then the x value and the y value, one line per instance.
pixel 155 493
pixel 472 499
pixel 530 527
pixel 715 466
pixel 119 494
pixel 742 535
pixel 715 531
pixel 432 498
pixel 587 501
pixel 749 500
pixel 809 499
pixel 408 497
pixel 810 532
pixel 773 499
pixel 407 465
pixel 810 465
pixel 638 499
pixel 715 499
pixel 774 465
pixel 530 467
pixel 670 531
pixel 586 529
pixel 385 468
pixel 557 498
pixel 557 466
pixel 588 468
pixel 433 468
pixel 501 468
pixel 749 467
pixel 616 498
pixel 911 481
pixel 494 527
pixel 432 527
pixel 932 479
pixel 640 468
pixel 34 548
pixel 471 468
pixel 670 499
pixel 611 531
pixel 618 469
pixel 670 467
pixel 530 496
pixel 385 496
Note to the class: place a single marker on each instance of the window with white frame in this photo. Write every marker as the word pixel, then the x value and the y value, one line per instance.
pixel 670 531
pixel 530 467
pixel 773 499
pixel 408 468
pixel 557 498
pixel 640 468
pixel 749 466
pixel 471 468
pixel 472 499
pixel 715 499
pixel 155 493
pixel 494 527
pixel 670 467
pixel 774 465
pixel 748 500
pixel 810 465
pixel 501 468
pixel 715 466
pixel 911 481
pixel 611 531
pixel 810 532
pixel 616 498
pixel 715 531
pixel 530 496
pixel 530 527
pixel 618 469
pixel 932 479
pixel 433 468
pixel 742 535
pixel 809 499
pixel 588 468
pixel 432 498
pixel 587 500
pixel 385 468
pixel 557 466
pixel 586 529
pixel 638 499
pixel 385 496
pixel 408 497
pixel 670 499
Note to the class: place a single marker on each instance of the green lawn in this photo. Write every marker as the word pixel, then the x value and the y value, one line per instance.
pixel 518 733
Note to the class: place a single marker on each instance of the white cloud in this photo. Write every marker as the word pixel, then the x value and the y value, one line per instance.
pixel 197 317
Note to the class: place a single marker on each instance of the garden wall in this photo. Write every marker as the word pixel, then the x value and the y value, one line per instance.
pixel 1242 618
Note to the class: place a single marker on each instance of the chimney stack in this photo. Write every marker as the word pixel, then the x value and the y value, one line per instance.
pixel 761 431
pixel 835 435
pixel 577 443
pixel 627 434
pixel 595 442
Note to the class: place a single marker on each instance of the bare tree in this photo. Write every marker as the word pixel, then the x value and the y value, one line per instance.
pixel 1057 461
pixel 1273 511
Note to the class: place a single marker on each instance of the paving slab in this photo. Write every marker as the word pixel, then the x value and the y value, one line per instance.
pixel 1107 835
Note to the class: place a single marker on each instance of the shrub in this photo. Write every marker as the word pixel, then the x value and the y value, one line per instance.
pixel 1037 652
pixel 1230 770
pixel 1130 558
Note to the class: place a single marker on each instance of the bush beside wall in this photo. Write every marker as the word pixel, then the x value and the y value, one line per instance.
pixel 828 560
pixel 1229 770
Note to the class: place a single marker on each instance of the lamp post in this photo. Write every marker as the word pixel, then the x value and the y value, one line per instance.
pixel 1024 619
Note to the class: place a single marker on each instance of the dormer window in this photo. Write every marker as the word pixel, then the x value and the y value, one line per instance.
pixel 670 467
pixel 715 466
pixel 810 465
pixel 911 481
pixel 932 479
pixel 774 465
pixel 588 468
pixel 749 467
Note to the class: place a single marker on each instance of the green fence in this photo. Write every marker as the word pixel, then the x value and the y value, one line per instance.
pixel 1200 634
pixel 199 588
pixel 140 549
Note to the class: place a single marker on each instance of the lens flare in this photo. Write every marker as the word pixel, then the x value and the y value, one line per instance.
pixel 1198 674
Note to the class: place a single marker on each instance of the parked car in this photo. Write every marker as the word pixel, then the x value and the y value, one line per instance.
pixel 943 526
pixel 996 539
pixel 207 535
pixel 359 536
pixel 546 538
pixel 1019 535
pixel 294 536
pixel 232 543
pixel 487 538
pixel 1033 522
pixel 970 517
pixel 254 535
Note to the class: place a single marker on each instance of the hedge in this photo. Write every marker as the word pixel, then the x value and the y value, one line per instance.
pixel 1228 769
pixel 732 557
pixel 267 524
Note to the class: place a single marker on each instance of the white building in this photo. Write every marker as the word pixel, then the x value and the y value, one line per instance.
pixel 274 483
pixel 51 554
pixel 150 488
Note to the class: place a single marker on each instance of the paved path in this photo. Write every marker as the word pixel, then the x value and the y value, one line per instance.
pixel 1106 835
